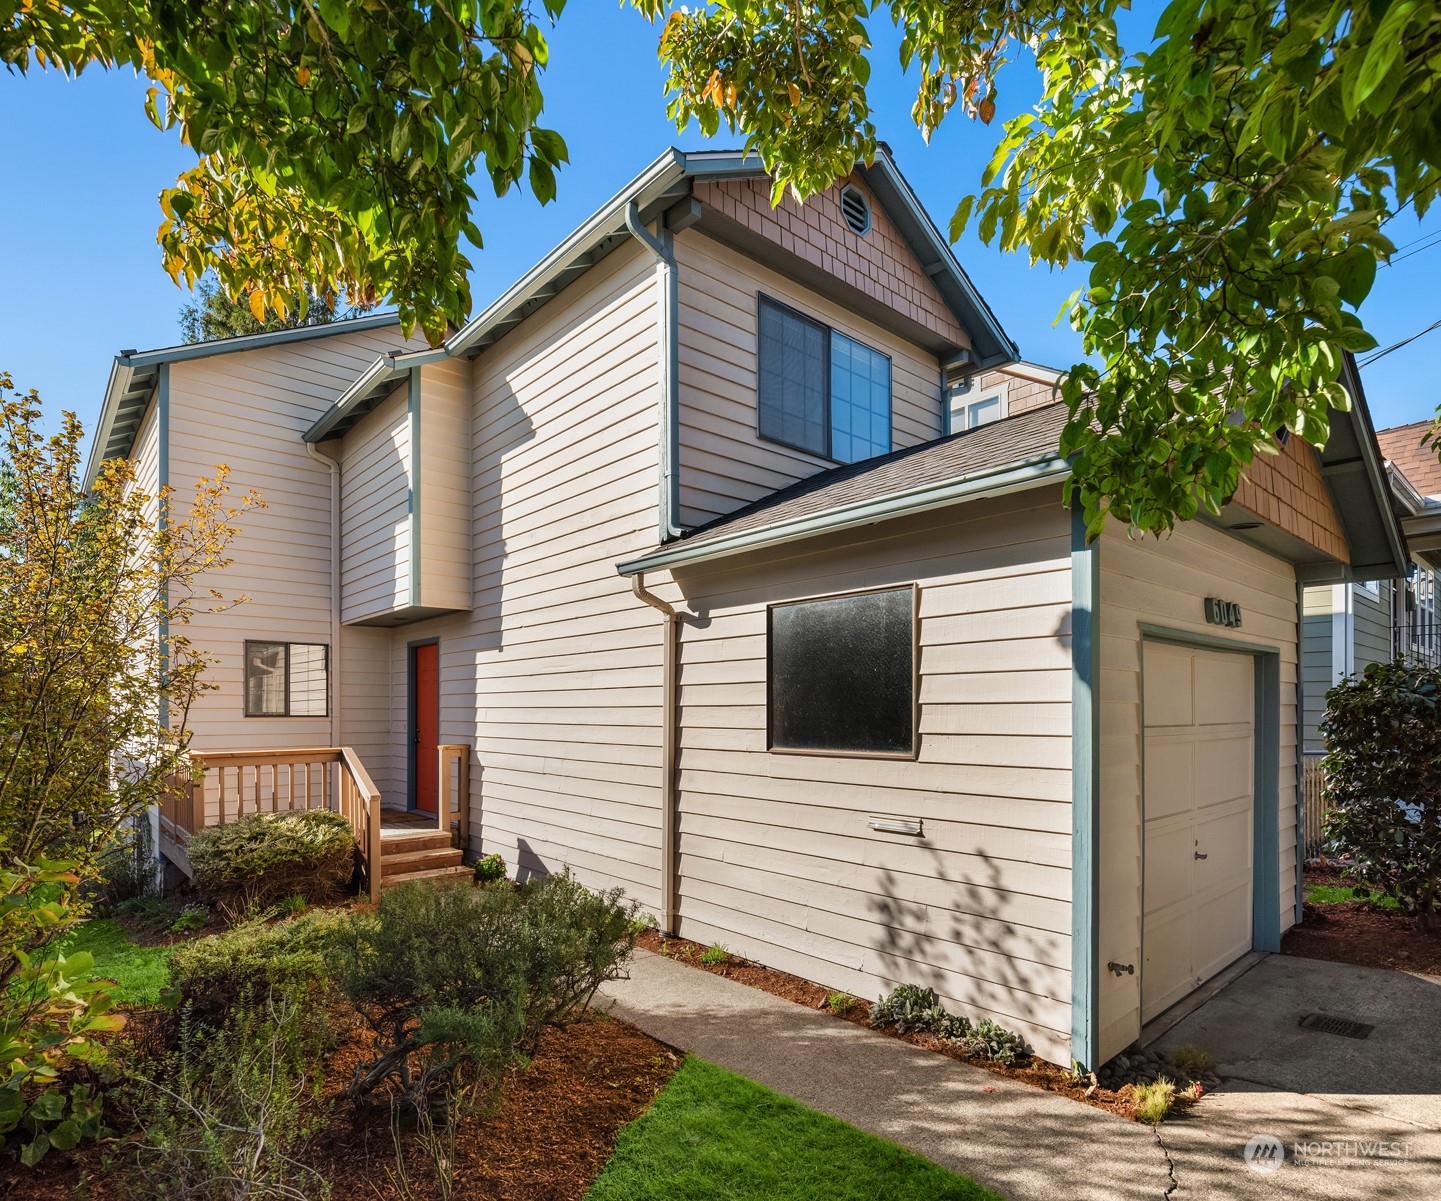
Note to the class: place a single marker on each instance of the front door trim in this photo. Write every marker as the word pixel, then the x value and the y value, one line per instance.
pixel 1266 835
pixel 410 705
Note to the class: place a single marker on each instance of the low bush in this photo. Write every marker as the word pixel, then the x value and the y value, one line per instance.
pixel 489 869
pixel 840 1003
pixel 909 1007
pixel 714 955
pixel 454 980
pixel 52 1013
pixel 1383 782
pixel 254 862
pixel 255 959
pixel 223 1116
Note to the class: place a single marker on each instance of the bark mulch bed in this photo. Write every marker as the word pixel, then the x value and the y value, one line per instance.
pixel 549 1140
pixel 1034 1071
pixel 1361 932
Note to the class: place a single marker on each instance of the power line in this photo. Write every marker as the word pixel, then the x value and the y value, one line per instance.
pixel 1381 354
pixel 1435 240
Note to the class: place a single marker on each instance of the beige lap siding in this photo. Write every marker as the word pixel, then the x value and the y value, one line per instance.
pixel 375 526
pixel 1165 582
pixel 554 675
pixel 248 409
pixel 776 857
pixel 725 463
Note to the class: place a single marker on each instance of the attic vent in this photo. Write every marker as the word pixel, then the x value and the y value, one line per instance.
pixel 856 209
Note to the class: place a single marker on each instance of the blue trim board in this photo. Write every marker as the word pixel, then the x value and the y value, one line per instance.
pixel 1085 793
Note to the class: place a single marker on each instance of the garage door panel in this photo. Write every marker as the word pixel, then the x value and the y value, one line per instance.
pixel 1167 686
pixel 1170 859
pixel 1225 769
pixel 1199 780
pixel 1169 776
pixel 1224 691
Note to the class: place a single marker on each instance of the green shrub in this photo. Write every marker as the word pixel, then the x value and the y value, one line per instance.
pixel 840 1003
pixel 992 1041
pixel 1383 782
pixel 489 869
pixel 714 955
pixel 255 959
pixel 252 863
pixel 454 980
pixel 909 1007
pixel 192 918
pixel 51 1013
pixel 223 1116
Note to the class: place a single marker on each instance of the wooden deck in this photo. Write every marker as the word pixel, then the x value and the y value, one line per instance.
pixel 393 844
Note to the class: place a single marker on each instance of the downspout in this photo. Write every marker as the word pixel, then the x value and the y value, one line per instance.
pixel 669 909
pixel 660 245
pixel 335 658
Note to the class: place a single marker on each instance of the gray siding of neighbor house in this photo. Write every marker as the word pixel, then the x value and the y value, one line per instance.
pixel 1373 625
pixel 1315 662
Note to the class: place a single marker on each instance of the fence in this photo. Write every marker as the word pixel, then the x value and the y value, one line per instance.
pixel 1313 803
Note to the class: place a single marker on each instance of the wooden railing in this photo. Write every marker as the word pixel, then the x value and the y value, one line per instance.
pixel 1313 803
pixel 237 784
pixel 453 807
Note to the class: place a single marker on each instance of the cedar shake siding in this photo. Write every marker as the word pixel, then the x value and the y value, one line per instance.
pixel 1288 490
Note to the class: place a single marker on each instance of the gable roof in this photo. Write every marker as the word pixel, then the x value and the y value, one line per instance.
pixel 133 376
pixel 656 191
pixel 1401 444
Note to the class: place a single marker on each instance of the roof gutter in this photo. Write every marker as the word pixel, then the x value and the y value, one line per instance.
pixel 662 247
pixel 1018 477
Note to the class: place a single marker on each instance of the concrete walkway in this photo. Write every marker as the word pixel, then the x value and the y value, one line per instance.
pixel 1023 1143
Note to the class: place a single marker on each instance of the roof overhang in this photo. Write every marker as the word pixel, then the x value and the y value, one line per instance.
pixel 656 191
pixel 134 373
pixel 998 481
pixel 1420 517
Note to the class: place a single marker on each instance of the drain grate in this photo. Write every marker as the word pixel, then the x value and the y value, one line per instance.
pixel 1329 1025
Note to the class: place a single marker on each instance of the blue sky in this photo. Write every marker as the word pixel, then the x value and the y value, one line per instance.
pixel 83 168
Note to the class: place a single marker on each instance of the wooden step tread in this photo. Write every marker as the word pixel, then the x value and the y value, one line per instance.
pixel 397 865
pixel 423 840
pixel 440 873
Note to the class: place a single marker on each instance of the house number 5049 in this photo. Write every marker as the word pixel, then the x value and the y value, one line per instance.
pixel 1223 613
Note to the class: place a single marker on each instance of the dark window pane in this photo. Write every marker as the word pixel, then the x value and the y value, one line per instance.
pixel 265 679
pixel 792 379
pixel 860 401
pixel 842 674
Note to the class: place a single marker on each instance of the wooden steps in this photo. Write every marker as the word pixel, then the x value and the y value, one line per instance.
pixel 423 855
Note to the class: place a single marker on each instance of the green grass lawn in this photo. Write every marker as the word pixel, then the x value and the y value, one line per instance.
pixel 140 971
pixel 715 1136
pixel 1328 894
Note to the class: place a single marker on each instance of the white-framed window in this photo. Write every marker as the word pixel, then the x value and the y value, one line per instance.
pixel 975 406
pixel 287 679
pixel 1370 587
pixel 818 390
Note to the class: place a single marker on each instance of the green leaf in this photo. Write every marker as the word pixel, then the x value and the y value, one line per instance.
pixel 65 1136
pixel 1354 271
pixel 34 1151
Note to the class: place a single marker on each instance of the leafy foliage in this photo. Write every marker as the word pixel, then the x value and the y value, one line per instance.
pixel 1228 188
pixel 1383 781
pixel 454 979
pixel 913 1009
pixel 489 869
pixel 51 1013
pixel 224 1115
pixel 89 582
pixel 336 141
pixel 211 314
pixel 1154 1101
pixel 256 861
pixel 258 959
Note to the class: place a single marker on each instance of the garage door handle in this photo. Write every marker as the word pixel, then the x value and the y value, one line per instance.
pixel 1200 854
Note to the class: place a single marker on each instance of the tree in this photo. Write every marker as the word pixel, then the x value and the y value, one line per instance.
pixel 335 141
pixel 1228 185
pixel 211 314
pixel 1383 781
pixel 96 674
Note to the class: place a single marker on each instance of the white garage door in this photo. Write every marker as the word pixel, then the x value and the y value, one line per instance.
pixel 1199 799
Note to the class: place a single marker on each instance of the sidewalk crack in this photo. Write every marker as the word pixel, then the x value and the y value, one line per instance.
pixel 1170 1165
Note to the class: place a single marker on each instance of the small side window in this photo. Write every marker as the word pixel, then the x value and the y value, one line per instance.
pixel 973 406
pixel 287 679
pixel 842 674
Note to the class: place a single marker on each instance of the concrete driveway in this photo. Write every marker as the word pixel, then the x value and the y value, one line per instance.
pixel 1376 1101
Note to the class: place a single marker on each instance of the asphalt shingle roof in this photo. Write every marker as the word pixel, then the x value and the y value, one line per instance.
pixel 1419 464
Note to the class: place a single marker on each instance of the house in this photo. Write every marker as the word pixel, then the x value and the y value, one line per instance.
pixel 727 547
pixel 1347 626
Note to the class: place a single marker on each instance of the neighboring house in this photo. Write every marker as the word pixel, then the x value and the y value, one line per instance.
pixel 1347 626
pixel 674 538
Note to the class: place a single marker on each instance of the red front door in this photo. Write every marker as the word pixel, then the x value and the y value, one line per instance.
pixel 425 724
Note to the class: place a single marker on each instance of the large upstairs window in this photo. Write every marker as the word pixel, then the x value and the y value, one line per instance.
pixel 820 391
